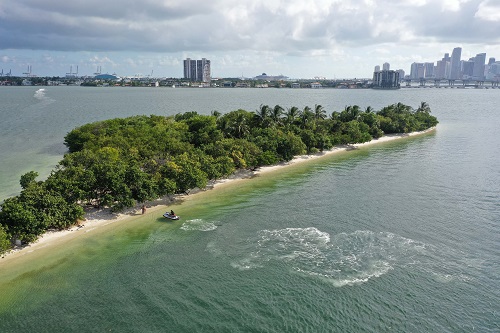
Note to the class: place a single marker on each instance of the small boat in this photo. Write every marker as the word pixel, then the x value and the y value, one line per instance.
pixel 170 216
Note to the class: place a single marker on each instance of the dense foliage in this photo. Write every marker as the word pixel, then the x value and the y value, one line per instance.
pixel 119 162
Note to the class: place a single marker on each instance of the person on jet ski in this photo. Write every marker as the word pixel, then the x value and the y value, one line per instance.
pixel 172 213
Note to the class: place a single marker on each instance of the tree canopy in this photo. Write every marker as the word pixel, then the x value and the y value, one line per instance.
pixel 117 163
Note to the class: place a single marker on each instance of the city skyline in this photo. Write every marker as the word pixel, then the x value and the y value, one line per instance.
pixel 328 38
pixel 456 68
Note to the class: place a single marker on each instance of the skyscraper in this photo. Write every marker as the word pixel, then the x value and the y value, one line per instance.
pixel 417 70
pixel 441 66
pixel 197 70
pixel 467 68
pixel 479 62
pixel 386 66
pixel 190 69
pixel 429 70
pixel 455 63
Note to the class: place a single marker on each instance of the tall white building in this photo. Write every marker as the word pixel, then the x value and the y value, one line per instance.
pixel 479 62
pixel 386 66
pixel 455 63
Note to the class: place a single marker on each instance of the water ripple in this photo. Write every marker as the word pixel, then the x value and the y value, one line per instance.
pixel 344 259
pixel 198 225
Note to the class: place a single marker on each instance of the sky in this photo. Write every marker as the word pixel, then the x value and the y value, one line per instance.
pixel 333 39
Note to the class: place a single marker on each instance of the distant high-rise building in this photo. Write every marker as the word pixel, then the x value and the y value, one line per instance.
pixel 417 71
pixel 491 61
pixel 479 62
pixel 197 70
pixel 401 73
pixel 495 70
pixel 440 72
pixel 447 70
pixel 440 69
pixel 377 68
pixel 455 63
pixel 386 66
pixel 190 69
pixel 467 69
pixel 428 70
pixel 386 79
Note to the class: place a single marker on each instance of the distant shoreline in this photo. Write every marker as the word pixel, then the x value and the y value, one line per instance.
pixel 96 218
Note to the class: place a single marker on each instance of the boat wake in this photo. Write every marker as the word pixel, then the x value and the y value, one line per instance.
pixel 343 259
pixel 44 100
pixel 198 225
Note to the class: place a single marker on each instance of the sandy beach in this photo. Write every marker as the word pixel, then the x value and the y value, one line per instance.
pixel 96 219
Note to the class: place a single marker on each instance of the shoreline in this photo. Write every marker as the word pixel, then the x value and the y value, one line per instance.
pixel 98 218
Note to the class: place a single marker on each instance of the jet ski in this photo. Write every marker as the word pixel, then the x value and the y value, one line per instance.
pixel 170 216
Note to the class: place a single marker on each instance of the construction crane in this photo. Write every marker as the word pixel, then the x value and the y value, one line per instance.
pixel 71 72
pixel 28 73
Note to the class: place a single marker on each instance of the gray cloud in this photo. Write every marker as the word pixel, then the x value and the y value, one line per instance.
pixel 275 35
pixel 283 26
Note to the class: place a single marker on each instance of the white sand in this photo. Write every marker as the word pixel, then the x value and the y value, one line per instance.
pixel 95 218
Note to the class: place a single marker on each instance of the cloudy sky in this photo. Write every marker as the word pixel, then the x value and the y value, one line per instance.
pixel 296 38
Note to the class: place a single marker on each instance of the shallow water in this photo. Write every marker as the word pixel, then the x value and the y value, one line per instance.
pixel 401 236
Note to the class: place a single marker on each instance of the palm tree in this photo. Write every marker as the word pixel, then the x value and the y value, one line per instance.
pixel 319 112
pixel 292 114
pixel 276 114
pixel 306 116
pixel 424 107
pixel 369 109
pixel 239 126
pixel 401 108
pixel 262 115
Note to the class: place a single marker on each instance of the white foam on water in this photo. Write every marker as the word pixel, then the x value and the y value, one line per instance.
pixel 39 94
pixel 43 99
pixel 198 225
pixel 342 259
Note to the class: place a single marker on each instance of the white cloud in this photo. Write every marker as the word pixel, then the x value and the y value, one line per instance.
pixel 488 11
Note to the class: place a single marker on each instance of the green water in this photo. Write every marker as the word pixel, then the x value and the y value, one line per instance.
pixel 398 237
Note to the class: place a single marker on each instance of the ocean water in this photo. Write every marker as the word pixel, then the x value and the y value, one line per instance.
pixel 398 237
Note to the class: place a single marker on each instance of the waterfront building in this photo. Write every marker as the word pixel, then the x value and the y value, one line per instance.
pixel 447 70
pixel 479 64
pixel 467 68
pixel 401 73
pixel 429 70
pixel 197 70
pixel 386 66
pixel 377 68
pixel 440 69
pixel 494 71
pixel 417 71
pixel 455 73
pixel 386 79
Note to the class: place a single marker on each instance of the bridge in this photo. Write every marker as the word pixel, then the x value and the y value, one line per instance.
pixel 449 83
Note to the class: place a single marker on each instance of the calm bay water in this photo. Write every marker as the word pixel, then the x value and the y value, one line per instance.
pixel 398 237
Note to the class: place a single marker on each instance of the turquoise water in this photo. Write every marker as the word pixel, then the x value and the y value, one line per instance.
pixel 398 237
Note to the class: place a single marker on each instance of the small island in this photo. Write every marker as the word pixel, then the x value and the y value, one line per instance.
pixel 119 163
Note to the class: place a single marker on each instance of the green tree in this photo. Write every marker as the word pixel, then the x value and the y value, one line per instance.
pixel 291 115
pixel 319 112
pixel 28 178
pixel 5 243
